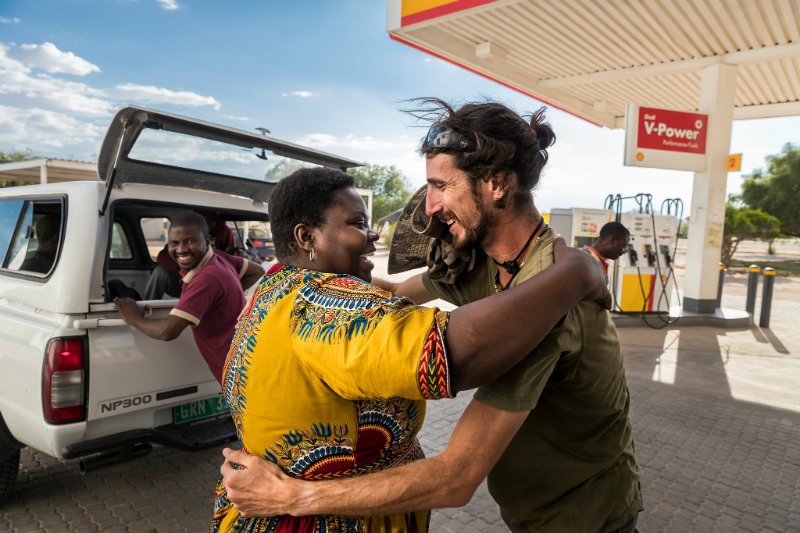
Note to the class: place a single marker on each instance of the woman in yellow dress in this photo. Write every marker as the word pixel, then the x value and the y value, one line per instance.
pixel 327 375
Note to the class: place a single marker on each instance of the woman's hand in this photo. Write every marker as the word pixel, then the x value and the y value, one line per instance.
pixel 255 486
pixel 591 267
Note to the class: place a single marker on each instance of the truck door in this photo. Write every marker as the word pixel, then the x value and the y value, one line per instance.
pixel 133 375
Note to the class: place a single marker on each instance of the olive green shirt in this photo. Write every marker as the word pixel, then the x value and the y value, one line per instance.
pixel 571 467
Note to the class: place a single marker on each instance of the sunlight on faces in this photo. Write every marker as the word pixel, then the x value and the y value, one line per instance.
pixel 345 242
pixel 452 199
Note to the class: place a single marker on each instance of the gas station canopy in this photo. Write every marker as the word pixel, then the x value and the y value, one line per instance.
pixel 48 171
pixel 592 57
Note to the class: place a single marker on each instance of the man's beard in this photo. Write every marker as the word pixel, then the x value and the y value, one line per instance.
pixel 474 235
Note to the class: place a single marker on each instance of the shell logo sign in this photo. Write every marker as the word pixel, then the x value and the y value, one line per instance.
pixel 665 138
pixel 674 131
pixel 414 11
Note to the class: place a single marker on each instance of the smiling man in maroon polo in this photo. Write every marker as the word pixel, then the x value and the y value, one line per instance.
pixel 212 297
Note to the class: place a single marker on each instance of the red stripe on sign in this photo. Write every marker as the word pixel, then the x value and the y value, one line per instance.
pixel 440 11
pixel 481 74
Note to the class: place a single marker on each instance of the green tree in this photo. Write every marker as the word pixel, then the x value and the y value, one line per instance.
pixel 13 157
pixel 776 190
pixel 745 224
pixel 391 189
pixel 284 168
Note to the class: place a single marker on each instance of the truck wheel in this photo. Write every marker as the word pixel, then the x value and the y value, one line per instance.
pixel 9 467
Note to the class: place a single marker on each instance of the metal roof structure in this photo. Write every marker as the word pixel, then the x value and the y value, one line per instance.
pixel 591 58
pixel 48 171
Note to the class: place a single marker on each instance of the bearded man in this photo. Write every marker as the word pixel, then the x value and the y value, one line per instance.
pixel 553 434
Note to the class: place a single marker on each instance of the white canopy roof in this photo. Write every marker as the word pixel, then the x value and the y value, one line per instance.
pixel 48 171
pixel 592 57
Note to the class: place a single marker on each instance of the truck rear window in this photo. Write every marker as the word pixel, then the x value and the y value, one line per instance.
pixel 36 240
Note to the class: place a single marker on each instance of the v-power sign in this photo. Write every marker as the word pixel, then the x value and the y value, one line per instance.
pixel 665 138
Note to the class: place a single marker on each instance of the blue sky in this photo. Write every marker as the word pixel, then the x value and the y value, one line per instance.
pixel 323 73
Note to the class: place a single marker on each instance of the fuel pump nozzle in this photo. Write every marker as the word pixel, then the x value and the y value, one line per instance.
pixel 665 253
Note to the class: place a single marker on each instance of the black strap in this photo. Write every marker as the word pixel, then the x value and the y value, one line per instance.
pixel 516 268
pixel 511 266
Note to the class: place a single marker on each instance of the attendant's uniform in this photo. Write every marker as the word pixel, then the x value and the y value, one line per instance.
pixel 599 257
pixel 571 467
pixel 211 300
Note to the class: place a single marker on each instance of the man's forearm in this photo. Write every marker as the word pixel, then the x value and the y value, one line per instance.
pixel 427 484
pixel 157 329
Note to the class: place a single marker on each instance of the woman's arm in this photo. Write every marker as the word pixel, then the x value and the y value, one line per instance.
pixel 412 288
pixel 487 338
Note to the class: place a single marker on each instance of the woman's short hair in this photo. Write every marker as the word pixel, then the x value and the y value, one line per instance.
pixel 506 142
pixel 303 197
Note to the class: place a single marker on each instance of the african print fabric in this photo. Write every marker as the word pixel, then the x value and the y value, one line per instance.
pixel 327 377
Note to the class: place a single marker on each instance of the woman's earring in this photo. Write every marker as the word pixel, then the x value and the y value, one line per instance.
pixel 311 255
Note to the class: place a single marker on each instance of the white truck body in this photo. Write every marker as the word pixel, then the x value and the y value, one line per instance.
pixel 130 382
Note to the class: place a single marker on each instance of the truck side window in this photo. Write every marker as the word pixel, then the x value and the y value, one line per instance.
pixel 120 249
pixel 155 234
pixel 9 216
pixel 36 242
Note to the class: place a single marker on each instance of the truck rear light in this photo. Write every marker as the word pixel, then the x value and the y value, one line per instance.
pixel 63 384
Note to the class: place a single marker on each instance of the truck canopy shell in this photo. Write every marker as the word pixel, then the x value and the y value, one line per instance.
pixel 130 121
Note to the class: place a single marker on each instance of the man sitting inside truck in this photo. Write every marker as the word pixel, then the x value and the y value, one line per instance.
pixel 611 243
pixel 165 278
pixel 212 297
pixel 48 229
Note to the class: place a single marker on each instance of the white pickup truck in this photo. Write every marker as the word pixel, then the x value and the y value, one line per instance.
pixel 75 380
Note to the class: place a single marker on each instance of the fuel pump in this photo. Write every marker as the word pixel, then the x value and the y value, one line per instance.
pixel 643 278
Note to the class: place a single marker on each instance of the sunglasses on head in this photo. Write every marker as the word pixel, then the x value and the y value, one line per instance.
pixel 443 137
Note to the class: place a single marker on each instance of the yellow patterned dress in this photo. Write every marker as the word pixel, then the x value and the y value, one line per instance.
pixel 327 377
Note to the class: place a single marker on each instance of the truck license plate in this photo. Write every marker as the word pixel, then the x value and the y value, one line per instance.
pixel 189 412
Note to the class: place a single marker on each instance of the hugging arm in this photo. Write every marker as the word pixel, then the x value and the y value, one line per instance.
pixel 487 338
pixel 412 288
pixel 447 480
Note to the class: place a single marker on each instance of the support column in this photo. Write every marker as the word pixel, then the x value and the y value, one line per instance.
pixel 707 218
pixel 43 173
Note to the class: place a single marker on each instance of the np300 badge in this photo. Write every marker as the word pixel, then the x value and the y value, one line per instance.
pixel 126 403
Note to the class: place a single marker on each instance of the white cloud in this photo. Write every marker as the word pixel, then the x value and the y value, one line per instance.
pixel 39 128
pixel 326 140
pixel 284 95
pixel 302 94
pixel 21 88
pixel 5 20
pixel 50 59
pixel 168 4
pixel 151 94
pixel 241 119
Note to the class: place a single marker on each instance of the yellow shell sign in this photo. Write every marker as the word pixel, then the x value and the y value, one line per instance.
pixel 414 11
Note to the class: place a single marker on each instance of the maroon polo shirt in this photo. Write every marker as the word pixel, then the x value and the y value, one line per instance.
pixel 211 300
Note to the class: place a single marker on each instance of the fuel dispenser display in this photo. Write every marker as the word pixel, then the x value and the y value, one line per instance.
pixel 643 278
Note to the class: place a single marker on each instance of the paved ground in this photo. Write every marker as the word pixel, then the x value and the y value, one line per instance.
pixel 716 417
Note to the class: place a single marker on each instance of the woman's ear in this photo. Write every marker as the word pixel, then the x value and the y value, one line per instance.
pixel 304 237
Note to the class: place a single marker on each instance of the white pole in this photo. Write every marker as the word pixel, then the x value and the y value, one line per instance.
pixel 707 218
pixel 43 173
pixel 246 233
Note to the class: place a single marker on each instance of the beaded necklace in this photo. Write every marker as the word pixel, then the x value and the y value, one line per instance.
pixel 511 266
